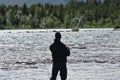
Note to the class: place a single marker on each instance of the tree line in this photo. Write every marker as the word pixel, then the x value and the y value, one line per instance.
pixel 89 14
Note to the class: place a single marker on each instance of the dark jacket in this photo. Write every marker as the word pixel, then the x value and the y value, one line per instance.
pixel 59 52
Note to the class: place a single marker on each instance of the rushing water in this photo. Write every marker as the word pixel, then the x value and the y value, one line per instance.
pixel 22 50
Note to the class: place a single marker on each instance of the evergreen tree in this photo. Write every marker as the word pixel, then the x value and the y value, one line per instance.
pixel 2 10
pixel 10 17
pixel 24 9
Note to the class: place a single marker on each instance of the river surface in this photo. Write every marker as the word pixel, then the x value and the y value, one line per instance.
pixel 25 54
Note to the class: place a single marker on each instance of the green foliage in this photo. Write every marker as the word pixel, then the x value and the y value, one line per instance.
pixel 10 17
pixel 1 21
pixel 95 14
pixel 2 10
pixel 51 22
pixel 101 22
pixel 25 27
pixel 67 21
pixel 117 27
pixel 24 10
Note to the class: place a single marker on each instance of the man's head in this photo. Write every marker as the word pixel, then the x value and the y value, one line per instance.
pixel 57 36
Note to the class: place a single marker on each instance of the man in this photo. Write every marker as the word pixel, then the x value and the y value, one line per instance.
pixel 59 55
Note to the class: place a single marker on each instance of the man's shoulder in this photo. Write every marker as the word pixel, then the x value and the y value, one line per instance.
pixel 62 44
pixel 52 45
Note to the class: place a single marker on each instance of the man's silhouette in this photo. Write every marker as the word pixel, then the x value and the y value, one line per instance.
pixel 59 55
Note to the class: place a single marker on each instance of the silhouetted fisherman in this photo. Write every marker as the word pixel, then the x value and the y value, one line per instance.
pixel 59 55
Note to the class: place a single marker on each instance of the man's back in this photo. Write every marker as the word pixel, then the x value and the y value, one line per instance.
pixel 59 52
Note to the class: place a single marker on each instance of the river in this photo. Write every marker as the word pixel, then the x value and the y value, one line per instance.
pixel 25 54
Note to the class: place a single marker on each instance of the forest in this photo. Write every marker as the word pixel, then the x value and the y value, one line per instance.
pixel 80 14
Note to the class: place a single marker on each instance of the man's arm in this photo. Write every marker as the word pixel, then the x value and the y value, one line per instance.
pixel 68 51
